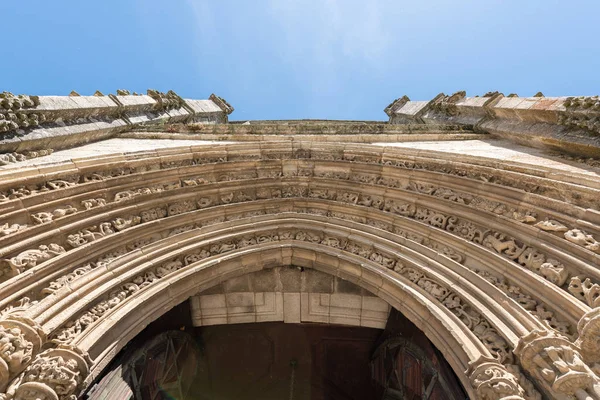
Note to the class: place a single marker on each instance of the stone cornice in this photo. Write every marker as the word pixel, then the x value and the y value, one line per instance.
pixel 567 124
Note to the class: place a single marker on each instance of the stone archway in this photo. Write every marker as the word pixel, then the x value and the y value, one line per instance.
pixel 494 261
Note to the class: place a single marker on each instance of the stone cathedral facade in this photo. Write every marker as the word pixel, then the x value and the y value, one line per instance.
pixel 475 221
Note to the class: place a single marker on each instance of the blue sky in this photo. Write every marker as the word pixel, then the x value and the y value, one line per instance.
pixel 284 59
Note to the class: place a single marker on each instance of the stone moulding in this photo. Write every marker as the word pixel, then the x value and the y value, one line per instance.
pixel 39 122
pixel 479 259
pixel 571 124
pixel 522 254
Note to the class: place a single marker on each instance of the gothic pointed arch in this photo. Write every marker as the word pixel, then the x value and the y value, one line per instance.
pixel 494 259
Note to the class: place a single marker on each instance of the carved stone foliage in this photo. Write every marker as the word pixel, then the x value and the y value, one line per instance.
pixel 29 259
pixel 103 261
pixel 551 225
pixel 496 344
pixel 581 238
pixel 527 256
pixel 9 158
pixel 43 217
pixel 585 290
pixel 430 165
pixel 557 364
pixel 582 113
pixel 503 244
pixel 493 381
pixel 93 203
pixel 74 328
pixel 476 322
pixel 589 336
pixel 55 374
pixel 18 307
pixel 532 305
pixel 19 342
pixel 30 190
pixel 8 228
pixel 12 116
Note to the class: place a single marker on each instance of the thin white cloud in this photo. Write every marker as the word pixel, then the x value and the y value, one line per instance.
pixel 329 27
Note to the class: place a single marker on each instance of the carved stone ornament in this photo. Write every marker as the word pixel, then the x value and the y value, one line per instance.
pixel 581 238
pixel 55 374
pixel 551 225
pixel 29 259
pixel 589 336
pixel 492 381
pixel 558 366
pixel 19 342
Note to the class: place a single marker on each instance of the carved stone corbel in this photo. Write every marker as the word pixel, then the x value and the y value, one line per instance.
pixel 55 374
pixel 492 381
pixel 20 341
pixel 557 365
pixel 589 336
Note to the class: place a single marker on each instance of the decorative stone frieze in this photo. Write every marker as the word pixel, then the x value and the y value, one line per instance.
pixel 93 203
pixel 43 217
pixel 535 307
pixel 557 365
pixel 472 319
pixel 11 115
pixel 524 255
pixel 54 374
pixel 29 259
pixel 74 328
pixel 503 179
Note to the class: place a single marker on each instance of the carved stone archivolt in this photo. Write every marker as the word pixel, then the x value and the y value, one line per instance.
pixel 448 298
pixel 524 255
pixel 451 224
pixel 390 191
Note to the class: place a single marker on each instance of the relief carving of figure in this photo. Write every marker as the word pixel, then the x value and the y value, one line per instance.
pixel 43 217
pixel 30 258
pixel 8 228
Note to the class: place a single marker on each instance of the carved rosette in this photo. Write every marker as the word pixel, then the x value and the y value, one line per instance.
pixel 589 336
pixel 492 381
pixel 20 340
pixel 55 374
pixel 557 364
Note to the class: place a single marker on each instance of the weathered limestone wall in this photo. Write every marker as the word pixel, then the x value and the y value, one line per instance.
pixel 568 124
